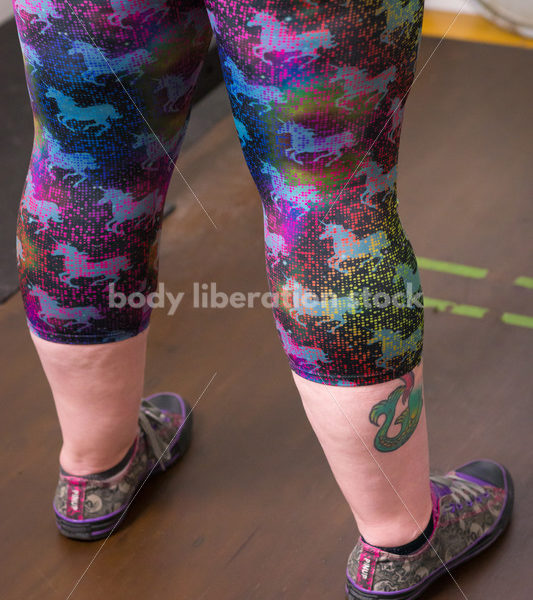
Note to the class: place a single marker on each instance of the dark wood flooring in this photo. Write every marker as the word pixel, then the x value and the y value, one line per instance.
pixel 253 513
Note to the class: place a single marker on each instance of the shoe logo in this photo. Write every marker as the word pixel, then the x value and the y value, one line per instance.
pixel 365 568
pixel 75 498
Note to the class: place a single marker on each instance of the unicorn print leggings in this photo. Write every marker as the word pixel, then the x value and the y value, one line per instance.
pixel 317 89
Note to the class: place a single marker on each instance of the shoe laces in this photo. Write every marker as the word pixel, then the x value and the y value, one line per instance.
pixel 149 415
pixel 462 491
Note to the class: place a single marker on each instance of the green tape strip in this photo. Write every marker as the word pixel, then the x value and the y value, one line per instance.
pixel 440 305
pixel 518 320
pixel 475 312
pixel 452 268
pixel 464 310
pixel 526 282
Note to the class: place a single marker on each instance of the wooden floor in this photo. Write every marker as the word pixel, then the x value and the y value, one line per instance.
pixel 252 513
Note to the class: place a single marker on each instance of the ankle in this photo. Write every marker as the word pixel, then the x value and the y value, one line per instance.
pixel 397 532
pixel 84 462
pixel 410 547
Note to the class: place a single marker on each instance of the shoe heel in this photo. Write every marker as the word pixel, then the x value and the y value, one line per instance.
pixel 89 531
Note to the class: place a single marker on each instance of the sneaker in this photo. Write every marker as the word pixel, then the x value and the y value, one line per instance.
pixel 471 507
pixel 92 506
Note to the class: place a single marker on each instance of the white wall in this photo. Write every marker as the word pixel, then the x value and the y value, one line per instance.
pixel 453 6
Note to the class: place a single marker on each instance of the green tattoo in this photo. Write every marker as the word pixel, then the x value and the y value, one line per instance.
pixel 408 418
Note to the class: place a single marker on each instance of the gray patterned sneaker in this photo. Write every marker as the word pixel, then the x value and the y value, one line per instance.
pixel 92 506
pixel 471 507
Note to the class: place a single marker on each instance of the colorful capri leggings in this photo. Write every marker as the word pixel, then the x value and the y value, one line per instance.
pixel 317 90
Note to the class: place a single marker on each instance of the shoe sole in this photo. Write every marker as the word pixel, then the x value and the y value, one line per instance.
pixel 353 593
pixel 102 527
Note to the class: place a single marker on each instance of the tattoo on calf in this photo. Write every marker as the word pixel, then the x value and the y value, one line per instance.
pixel 411 398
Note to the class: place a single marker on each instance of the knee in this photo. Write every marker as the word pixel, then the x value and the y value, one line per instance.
pixel 351 310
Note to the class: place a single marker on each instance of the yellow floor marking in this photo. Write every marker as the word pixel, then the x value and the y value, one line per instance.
pixel 470 28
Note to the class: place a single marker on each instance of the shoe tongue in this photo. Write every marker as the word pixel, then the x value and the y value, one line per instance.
pixel 440 489
pixel 157 445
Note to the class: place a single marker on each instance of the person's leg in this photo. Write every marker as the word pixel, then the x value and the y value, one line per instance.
pixel 383 471
pixel 317 90
pixel 110 85
pixel 97 391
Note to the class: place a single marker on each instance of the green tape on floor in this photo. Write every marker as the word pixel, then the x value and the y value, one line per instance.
pixel 440 305
pixel 526 282
pixel 475 312
pixel 452 268
pixel 518 320
pixel 465 310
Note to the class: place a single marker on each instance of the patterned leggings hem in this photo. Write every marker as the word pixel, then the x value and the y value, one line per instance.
pixel 83 339
pixel 343 380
